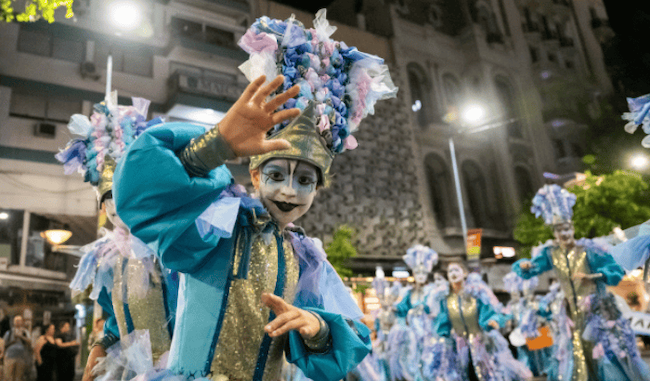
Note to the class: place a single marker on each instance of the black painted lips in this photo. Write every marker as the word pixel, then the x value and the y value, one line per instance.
pixel 285 206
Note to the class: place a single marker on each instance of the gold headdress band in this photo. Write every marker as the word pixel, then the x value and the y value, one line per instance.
pixel 306 144
pixel 105 184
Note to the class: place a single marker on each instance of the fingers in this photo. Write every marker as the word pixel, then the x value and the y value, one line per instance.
pixel 275 303
pixel 275 145
pixel 296 323
pixel 283 115
pixel 281 321
pixel 280 99
pixel 261 94
pixel 252 87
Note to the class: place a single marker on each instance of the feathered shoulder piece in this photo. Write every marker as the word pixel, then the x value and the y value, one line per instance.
pixel 554 204
pixel 343 82
pixel 103 137
pixel 436 292
pixel 477 288
pixel 639 115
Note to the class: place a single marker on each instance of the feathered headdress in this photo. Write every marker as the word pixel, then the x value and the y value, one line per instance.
pixel 554 204
pixel 339 85
pixel 639 115
pixel 102 140
pixel 420 255
pixel 515 283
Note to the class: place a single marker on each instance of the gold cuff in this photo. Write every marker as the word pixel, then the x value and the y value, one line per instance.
pixel 206 153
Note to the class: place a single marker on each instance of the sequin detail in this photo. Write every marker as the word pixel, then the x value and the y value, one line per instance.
pixel 117 297
pixel 148 312
pixel 237 350
pixel 467 323
pixel 566 265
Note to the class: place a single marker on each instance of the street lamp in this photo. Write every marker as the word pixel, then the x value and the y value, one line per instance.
pixel 125 15
pixel 639 162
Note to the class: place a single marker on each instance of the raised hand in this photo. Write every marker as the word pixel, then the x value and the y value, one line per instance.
pixel 493 324
pixel 245 125
pixel 289 318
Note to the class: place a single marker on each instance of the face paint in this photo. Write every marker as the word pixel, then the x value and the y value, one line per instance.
pixel 420 274
pixel 565 234
pixel 455 273
pixel 287 188
pixel 111 213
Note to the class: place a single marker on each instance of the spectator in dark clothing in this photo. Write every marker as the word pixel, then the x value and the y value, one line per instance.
pixel 18 354
pixel 46 352
pixel 68 348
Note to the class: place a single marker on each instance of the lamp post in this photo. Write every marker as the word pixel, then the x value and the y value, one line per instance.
pixel 470 116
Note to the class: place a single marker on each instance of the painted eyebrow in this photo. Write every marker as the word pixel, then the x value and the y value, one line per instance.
pixel 274 166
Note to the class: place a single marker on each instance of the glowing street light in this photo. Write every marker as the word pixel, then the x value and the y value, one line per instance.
pixel 56 236
pixel 125 15
pixel 473 114
pixel 639 162
pixel 4 215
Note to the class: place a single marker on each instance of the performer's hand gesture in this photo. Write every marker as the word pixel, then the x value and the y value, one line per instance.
pixel 493 324
pixel 245 125
pixel 289 318
pixel 526 265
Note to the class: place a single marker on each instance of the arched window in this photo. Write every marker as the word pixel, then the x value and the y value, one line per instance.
pixel 438 181
pixel 452 91
pixel 509 105
pixel 525 185
pixel 475 189
pixel 421 98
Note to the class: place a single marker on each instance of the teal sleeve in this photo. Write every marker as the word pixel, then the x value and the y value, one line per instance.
pixel 160 202
pixel 602 262
pixel 110 325
pixel 402 308
pixel 540 264
pixel 441 323
pixel 350 345
pixel 486 313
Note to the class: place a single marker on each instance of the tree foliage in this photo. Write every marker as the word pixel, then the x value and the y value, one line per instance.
pixel 34 10
pixel 341 249
pixel 620 199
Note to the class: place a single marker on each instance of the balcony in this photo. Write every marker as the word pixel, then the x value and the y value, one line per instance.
pixel 181 44
pixel 214 40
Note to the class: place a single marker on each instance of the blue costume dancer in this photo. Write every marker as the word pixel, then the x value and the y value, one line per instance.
pixel 527 320
pixel 126 277
pixel 467 320
pixel 254 288
pixel 413 329
pixel 601 350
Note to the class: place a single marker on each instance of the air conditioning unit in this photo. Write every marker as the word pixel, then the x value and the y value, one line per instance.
pixel 89 70
pixel 45 130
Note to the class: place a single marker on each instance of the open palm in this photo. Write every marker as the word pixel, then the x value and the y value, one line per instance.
pixel 245 125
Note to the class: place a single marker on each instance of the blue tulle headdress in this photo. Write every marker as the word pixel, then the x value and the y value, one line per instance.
pixel 554 204
pixel 104 137
pixel 639 115
pixel 421 256
pixel 342 82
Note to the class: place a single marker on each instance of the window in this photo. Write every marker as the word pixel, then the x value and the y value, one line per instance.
pixel 422 103
pixel 558 147
pixel 475 190
pixel 129 60
pixel 524 183
pixel 41 107
pixel 568 64
pixel 452 90
pixel 438 181
pixel 534 54
pixel 202 32
pixel 43 43
pixel 506 97
pixel 552 57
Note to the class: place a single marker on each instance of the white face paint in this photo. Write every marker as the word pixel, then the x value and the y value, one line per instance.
pixel 111 213
pixel 455 273
pixel 565 234
pixel 420 274
pixel 287 188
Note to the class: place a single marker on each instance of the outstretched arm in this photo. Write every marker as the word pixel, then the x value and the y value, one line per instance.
pixel 527 269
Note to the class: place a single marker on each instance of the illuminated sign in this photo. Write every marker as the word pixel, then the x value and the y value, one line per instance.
pixel 503 252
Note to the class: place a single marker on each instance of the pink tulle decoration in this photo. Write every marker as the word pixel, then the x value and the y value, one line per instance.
pixel 257 43
pixel 324 123
pixel 598 351
pixel 329 47
pixel 622 354
pixel 611 323
pixel 312 77
pixel 350 142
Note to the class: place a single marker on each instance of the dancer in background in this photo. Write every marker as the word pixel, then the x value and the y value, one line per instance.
pixel 408 337
pixel 603 345
pixel 467 323
pixel 127 279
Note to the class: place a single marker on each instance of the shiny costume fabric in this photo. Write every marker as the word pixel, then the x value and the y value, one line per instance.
pixel 161 203
pixel 465 318
pixel 566 264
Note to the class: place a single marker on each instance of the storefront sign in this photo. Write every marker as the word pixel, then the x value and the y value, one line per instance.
pixel 208 86
pixel 474 245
